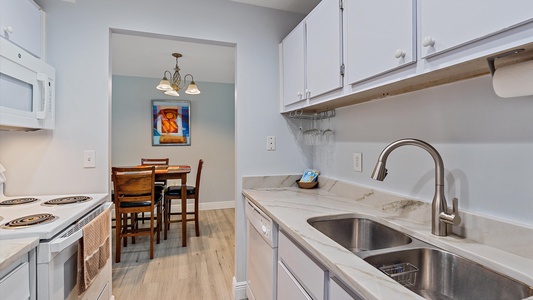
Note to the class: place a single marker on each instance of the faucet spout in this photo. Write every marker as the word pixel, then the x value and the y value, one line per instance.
pixel 440 215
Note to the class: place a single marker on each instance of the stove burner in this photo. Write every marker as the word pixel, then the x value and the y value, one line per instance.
pixel 67 200
pixel 30 220
pixel 18 201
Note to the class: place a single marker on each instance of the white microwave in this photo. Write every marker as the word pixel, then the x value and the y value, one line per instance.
pixel 27 90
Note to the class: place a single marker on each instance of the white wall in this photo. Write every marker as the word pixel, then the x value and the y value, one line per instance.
pixel 212 133
pixel 486 143
pixel 78 36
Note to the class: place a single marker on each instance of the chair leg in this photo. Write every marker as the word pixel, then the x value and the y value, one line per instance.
pixel 196 222
pixel 165 230
pixel 124 221
pixel 134 225
pixel 159 222
pixel 152 236
pixel 118 229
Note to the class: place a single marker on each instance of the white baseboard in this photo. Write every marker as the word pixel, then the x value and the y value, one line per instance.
pixel 239 289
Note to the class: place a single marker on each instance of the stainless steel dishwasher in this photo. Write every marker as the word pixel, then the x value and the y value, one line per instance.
pixel 262 254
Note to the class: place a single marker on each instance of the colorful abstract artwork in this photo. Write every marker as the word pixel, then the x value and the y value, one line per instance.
pixel 171 123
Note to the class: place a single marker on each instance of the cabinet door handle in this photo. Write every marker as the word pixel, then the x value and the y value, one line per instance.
pixel 300 95
pixel 428 41
pixel 8 29
pixel 308 93
pixel 399 53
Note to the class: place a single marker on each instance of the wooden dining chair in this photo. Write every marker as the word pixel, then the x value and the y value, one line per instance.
pixel 174 193
pixel 159 185
pixel 134 193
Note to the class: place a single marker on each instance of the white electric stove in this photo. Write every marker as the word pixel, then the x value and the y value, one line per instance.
pixel 57 221
pixel 43 216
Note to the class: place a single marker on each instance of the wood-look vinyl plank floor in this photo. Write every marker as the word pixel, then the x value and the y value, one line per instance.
pixel 202 270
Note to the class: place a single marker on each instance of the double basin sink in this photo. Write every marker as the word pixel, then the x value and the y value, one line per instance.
pixel 426 270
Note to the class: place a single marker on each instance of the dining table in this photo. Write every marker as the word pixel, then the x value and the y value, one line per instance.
pixel 175 172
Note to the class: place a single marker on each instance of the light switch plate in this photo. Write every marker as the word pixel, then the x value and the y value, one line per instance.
pixel 271 143
pixel 358 162
pixel 89 159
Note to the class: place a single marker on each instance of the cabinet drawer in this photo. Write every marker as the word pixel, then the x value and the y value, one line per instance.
pixel 337 291
pixel 16 284
pixel 288 286
pixel 310 275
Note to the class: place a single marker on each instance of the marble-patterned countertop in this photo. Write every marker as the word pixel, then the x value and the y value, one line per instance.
pixel 291 207
pixel 11 250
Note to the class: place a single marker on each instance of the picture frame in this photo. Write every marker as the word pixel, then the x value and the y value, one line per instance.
pixel 171 124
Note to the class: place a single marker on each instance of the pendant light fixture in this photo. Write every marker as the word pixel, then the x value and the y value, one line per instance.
pixel 172 87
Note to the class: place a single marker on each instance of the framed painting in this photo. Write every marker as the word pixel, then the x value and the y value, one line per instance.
pixel 171 124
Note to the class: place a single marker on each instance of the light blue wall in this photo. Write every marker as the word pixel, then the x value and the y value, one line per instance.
pixel 78 46
pixel 486 143
pixel 212 123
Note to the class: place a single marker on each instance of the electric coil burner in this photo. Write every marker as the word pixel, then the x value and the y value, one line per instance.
pixel 67 200
pixel 30 220
pixel 18 201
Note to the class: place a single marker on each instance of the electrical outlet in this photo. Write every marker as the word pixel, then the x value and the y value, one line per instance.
pixel 271 143
pixel 358 162
pixel 89 158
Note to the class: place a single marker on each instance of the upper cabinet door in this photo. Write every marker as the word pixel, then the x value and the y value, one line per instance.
pixel 324 46
pixel 293 65
pixel 20 23
pixel 451 23
pixel 379 37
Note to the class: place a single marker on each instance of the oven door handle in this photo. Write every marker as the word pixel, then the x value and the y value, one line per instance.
pixel 61 243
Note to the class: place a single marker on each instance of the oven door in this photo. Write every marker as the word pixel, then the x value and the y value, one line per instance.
pixel 57 267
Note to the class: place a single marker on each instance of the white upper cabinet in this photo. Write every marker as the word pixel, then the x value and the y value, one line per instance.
pixel 380 37
pixel 452 23
pixel 312 56
pixel 390 47
pixel 293 66
pixel 324 48
pixel 20 23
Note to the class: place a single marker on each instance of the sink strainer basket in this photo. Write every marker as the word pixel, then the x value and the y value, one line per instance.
pixel 404 273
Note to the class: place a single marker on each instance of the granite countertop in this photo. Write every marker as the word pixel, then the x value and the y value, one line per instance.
pixel 11 250
pixel 506 248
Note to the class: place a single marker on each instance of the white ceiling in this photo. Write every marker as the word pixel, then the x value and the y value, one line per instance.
pixel 142 56
pixel 149 56
pixel 297 6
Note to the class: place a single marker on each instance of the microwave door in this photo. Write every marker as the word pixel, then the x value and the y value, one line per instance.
pixel 26 91
pixel 16 96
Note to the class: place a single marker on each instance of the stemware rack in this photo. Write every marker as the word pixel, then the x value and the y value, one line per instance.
pixel 301 114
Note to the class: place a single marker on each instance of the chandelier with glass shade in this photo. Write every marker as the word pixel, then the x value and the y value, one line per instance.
pixel 173 86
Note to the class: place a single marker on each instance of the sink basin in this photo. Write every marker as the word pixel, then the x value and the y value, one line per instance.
pixel 436 274
pixel 359 234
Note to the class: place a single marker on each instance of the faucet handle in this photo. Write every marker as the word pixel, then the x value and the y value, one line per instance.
pixel 452 218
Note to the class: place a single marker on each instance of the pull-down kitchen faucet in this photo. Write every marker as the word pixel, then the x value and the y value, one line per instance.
pixel 440 215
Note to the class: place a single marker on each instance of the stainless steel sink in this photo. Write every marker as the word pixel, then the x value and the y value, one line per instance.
pixel 359 234
pixel 436 274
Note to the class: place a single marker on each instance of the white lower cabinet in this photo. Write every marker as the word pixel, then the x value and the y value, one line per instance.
pixel 16 281
pixel 338 292
pixel 288 287
pixel 306 275
pixel 301 277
